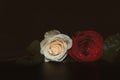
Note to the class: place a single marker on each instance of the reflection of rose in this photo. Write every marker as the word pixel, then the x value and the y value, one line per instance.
pixel 55 46
pixel 87 46
pixel 55 72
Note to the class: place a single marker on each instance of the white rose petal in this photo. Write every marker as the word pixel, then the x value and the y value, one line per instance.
pixel 55 45
pixel 51 33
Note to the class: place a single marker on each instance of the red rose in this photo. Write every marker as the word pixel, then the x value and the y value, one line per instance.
pixel 87 46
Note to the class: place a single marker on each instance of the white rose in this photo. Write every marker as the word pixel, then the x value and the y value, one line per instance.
pixel 55 45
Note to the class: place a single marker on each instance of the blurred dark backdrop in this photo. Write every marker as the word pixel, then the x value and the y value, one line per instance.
pixel 21 22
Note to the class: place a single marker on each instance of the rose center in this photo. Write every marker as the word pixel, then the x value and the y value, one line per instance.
pixel 85 45
pixel 56 47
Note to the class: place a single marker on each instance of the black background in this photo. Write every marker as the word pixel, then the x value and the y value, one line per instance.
pixel 21 22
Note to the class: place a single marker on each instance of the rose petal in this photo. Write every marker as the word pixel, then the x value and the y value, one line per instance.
pixel 51 33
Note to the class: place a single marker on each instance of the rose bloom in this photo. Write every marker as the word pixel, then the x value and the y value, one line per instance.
pixel 87 46
pixel 55 45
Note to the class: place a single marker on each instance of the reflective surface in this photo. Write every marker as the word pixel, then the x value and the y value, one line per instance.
pixel 71 71
pixel 56 71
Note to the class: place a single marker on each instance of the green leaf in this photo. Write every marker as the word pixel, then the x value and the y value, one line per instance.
pixel 33 55
pixel 111 48
pixel 34 47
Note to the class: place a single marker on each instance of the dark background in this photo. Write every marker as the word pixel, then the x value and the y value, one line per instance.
pixel 21 22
